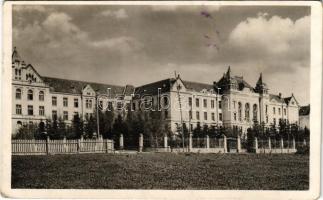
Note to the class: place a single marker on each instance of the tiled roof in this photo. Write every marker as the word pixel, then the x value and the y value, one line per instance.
pixel 304 110
pixel 240 81
pixel 152 88
pixel 276 97
pixel 287 99
pixel 76 87
pixel 165 85
pixel 198 87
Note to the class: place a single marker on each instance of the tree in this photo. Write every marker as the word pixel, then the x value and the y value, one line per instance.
pixel 106 122
pixel 77 127
pixel 197 132
pixel 90 127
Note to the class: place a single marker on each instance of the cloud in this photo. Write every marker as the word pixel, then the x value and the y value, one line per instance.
pixel 119 14
pixel 123 44
pixel 278 41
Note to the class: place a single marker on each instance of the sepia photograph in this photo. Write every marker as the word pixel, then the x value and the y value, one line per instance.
pixel 168 96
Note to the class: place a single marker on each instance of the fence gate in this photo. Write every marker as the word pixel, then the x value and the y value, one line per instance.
pixel 232 145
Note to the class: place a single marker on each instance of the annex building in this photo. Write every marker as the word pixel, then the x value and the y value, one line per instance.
pixel 231 101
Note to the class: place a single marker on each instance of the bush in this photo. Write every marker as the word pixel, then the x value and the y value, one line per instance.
pixel 304 150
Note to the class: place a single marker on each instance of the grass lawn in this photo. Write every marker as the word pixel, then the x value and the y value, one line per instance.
pixel 162 171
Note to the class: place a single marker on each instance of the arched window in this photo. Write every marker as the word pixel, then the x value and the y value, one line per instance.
pixel 247 112
pixel 18 93
pixel 30 95
pixel 41 96
pixel 240 111
pixel 255 112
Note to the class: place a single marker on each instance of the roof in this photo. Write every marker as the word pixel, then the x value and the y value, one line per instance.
pixel 166 84
pixel 276 97
pixel 152 88
pixel 76 87
pixel 240 81
pixel 304 110
pixel 15 55
pixel 197 86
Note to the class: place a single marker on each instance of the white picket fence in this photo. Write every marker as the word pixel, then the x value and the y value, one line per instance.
pixel 44 147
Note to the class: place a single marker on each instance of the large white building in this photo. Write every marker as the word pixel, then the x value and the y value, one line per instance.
pixel 230 102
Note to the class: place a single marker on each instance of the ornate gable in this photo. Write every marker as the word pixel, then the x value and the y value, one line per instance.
pixel 88 91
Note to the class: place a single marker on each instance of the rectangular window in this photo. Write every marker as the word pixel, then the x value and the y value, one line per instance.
pixel 110 105
pixel 279 111
pixel 65 102
pixel 235 116
pixel 274 110
pixel 234 104
pixel 65 115
pixel 190 101
pixel 54 114
pixel 205 115
pixel 266 119
pixel 204 103
pixel 88 103
pixel 166 114
pixel 266 109
pixel 274 120
pixel 197 115
pixel 54 101
pixel 284 111
pixel 220 105
pixel 76 102
pixel 190 114
pixel 18 109
pixel 133 106
pixel 197 102
pixel 213 116
pixel 41 110
pixel 220 116
pixel 212 103
pixel 30 110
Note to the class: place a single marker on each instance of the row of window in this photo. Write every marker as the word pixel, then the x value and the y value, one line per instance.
pixel 41 97
pixel 205 102
pixel 30 111
pixel 205 116
pixel 30 95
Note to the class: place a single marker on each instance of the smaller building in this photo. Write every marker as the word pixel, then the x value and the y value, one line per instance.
pixel 304 116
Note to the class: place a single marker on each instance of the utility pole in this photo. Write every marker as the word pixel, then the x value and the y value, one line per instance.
pixel 178 87
pixel 97 115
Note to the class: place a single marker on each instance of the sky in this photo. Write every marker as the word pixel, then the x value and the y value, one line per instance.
pixel 137 45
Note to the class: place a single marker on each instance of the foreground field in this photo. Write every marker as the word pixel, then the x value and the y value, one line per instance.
pixel 162 171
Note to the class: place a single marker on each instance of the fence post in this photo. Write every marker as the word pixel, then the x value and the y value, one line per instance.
pixel 107 145
pixel 225 147
pixel 64 144
pixel 78 145
pixel 81 143
pixel 47 145
pixel 304 142
pixel 269 144
pixel 281 144
pixel 141 142
pixel 207 141
pixel 238 144
pixel 34 146
pixel 190 144
pixel 121 141
pixel 165 142
pixel 256 144
pixel 294 143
